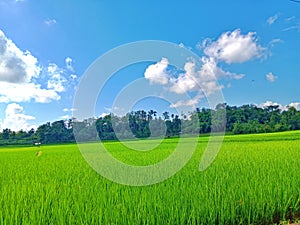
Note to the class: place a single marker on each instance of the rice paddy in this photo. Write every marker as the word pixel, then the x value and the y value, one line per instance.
pixel 255 179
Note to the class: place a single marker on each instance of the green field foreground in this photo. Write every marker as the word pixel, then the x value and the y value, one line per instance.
pixel 255 179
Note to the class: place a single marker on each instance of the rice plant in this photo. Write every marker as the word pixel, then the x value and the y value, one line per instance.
pixel 255 179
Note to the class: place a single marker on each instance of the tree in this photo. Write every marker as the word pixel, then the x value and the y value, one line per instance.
pixel 6 133
pixel 166 115
pixel 240 120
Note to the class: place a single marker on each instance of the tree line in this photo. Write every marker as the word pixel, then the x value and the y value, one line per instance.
pixel 143 124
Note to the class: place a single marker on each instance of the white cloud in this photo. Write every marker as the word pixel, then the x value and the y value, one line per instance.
pixel 211 69
pixel 294 24
pixel 272 19
pixel 18 70
pixel 275 41
pixel 103 115
pixel 69 64
pixel 69 110
pixel 230 47
pixel 296 27
pixel 50 22
pixel 290 18
pixel 73 76
pixel 296 105
pixel 65 117
pixel 268 103
pixel 185 81
pixel 25 93
pixel 16 66
pixel 16 119
pixel 192 79
pixel 234 47
pixel 191 103
pixel 205 78
pixel 271 77
pixel 157 73
pixel 271 103
pixel 57 80
pixel 116 110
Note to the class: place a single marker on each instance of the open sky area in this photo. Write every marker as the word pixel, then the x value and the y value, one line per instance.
pixel 251 48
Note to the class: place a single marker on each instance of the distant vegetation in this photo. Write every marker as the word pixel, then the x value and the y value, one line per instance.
pixel 245 119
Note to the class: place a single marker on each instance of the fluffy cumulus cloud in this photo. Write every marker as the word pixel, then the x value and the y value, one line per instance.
pixel 271 77
pixel 234 47
pixel 157 73
pixel 282 107
pixel 203 80
pixel 56 80
pixel 269 103
pixel 16 119
pixel 16 66
pixel 230 47
pixel 19 71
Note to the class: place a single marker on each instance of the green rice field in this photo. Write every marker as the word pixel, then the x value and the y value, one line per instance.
pixel 255 179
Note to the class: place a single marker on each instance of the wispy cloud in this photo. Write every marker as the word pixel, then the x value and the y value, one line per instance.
pixel 295 27
pixel 69 109
pixel 293 24
pixel 65 117
pixel 290 18
pixel 272 19
pixel 275 41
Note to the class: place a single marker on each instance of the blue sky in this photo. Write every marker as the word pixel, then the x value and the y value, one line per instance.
pixel 252 47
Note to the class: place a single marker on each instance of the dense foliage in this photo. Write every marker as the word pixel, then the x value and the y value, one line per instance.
pixel 240 120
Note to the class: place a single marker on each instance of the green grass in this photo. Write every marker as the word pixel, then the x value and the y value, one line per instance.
pixel 255 179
